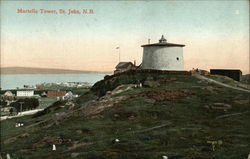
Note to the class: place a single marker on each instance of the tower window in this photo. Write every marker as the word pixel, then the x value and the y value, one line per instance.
pixel 177 58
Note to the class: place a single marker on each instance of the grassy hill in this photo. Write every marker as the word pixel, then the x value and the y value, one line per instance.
pixel 246 78
pixel 177 116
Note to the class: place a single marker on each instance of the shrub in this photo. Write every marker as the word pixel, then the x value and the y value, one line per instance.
pixel 28 103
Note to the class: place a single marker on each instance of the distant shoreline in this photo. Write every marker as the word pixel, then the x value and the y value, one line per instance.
pixel 27 70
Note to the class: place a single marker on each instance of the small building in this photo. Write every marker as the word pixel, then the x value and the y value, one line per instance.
pixel 232 73
pixel 69 96
pixel 163 56
pixel 55 93
pixel 8 94
pixel 199 71
pixel 124 66
pixel 40 87
pixel 44 94
pixel 28 87
pixel 205 72
pixel 25 93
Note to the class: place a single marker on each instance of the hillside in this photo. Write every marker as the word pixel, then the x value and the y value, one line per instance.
pixel 28 70
pixel 178 116
pixel 246 78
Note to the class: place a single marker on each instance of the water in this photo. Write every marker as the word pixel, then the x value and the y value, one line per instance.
pixel 18 80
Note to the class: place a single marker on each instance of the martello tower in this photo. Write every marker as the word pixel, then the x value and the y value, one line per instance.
pixel 163 56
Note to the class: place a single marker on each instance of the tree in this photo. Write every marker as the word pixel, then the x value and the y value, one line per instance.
pixel 3 103
pixel 27 104
pixel 11 111
pixel 15 105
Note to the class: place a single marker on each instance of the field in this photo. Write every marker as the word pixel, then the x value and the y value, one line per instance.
pixel 177 116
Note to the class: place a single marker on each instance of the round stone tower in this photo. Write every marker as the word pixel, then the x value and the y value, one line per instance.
pixel 163 56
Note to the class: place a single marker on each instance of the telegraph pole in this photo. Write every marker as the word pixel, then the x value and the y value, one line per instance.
pixel 119 53
pixel 21 107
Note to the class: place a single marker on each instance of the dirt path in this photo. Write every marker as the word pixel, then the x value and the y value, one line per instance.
pixel 220 83
pixel 29 112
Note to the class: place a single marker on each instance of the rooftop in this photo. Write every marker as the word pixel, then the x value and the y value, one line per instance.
pixel 24 89
pixel 225 70
pixel 123 64
pixel 163 42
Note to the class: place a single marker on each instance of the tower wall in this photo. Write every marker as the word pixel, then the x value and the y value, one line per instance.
pixel 163 58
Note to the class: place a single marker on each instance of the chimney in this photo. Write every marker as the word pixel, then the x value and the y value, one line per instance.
pixel 134 62
pixel 148 41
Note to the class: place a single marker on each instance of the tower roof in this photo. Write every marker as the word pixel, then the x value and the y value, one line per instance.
pixel 163 42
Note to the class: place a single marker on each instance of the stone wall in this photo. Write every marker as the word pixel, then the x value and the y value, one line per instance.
pixel 163 58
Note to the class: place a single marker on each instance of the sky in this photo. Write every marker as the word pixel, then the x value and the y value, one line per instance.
pixel 216 33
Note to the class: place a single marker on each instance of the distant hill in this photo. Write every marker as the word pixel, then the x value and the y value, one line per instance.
pixel 29 70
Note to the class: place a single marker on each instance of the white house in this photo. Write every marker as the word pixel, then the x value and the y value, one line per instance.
pixel 8 94
pixel 69 96
pixel 163 56
pixel 24 93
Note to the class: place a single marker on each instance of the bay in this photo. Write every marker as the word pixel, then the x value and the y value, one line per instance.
pixel 19 80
